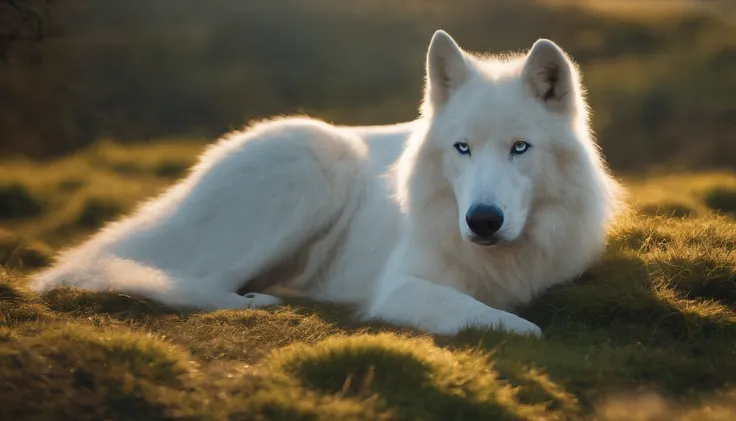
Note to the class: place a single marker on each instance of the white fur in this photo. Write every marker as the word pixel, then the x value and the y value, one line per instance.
pixel 375 215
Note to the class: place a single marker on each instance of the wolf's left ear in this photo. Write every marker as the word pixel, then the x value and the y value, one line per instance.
pixel 447 69
pixel 550 76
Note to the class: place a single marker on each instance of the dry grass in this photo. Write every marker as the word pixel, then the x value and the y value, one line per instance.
pixel 649 333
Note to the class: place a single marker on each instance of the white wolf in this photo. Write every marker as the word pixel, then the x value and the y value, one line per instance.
pixel 494 193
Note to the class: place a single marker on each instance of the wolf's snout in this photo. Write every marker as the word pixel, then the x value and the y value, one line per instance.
pixel 484 221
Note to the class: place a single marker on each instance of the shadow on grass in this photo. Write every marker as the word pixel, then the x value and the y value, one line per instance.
pixel 623 291
pixel 345 317
pixel 17 202
pixel 722 199
pixel 672 210
pixel 706 279
pixel 120 306
pixel 97 212
pixel 172 169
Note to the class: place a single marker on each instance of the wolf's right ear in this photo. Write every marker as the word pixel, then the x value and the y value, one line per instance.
pixel 447 69
pixel 551 76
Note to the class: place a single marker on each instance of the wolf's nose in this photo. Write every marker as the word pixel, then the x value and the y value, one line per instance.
pixel 484 220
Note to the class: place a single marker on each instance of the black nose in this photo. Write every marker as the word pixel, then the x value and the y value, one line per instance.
pixel 484 220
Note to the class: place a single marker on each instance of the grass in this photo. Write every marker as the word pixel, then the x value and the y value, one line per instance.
pixel 649 333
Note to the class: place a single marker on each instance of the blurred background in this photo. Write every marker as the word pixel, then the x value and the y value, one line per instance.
pixel 661 74
pixel 104 104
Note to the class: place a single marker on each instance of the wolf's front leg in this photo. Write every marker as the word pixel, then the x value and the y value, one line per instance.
pixel 440 309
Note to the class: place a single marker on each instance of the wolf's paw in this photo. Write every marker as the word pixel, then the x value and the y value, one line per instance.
pixel 515 324
pixel 488 318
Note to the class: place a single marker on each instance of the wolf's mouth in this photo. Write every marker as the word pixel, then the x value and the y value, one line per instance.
pixel 492 241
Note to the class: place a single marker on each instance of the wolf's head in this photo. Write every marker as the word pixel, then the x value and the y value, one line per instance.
pixel 505 137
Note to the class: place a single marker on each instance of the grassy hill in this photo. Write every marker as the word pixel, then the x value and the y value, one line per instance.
pixel 649 333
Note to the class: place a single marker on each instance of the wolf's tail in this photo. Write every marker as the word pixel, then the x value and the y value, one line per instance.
pixel 110 273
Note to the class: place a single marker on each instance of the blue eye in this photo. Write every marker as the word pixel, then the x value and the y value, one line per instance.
pixel 462 148
pixel 520 147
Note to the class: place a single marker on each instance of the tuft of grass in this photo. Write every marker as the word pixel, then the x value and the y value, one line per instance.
pixel 18 306
pixel 412 377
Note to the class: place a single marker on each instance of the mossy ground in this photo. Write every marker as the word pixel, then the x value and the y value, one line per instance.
pixel 649 333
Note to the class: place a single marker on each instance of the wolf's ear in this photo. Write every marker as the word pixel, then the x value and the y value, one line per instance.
pixel 447 69
pixel 550 76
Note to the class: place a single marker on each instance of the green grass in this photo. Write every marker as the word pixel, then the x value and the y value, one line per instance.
pixel 648 333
